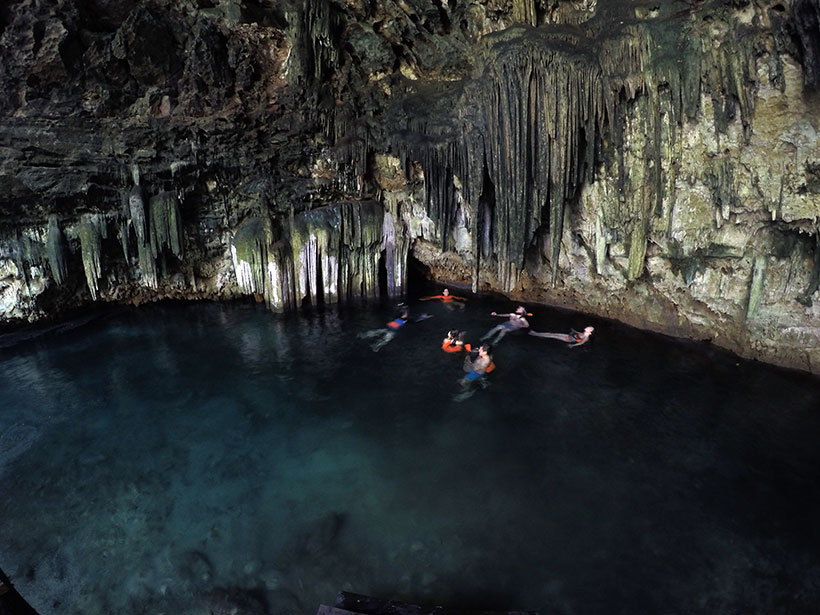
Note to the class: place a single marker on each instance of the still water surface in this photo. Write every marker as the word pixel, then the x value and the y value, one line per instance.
pixel 180 458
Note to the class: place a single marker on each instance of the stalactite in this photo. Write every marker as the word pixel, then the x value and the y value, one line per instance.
pixel 730 73
pixel 314 239
pixel 146 255
pixel 475 233
pixel 332 256
pixel 136 211
pixel 361 236
pixel 574 13
pixel 99 220
pixel 165 226
pixel 601 243
pixel 123 234
pixel 641 200
pixel 756 287
pixel 540 106
pixel 55 248
pixel 389 242
pixel 523 11
pixel 721 181
pixel 690 75
pixel 321 24
pixel 807 21
pixel 439 190
pixel 279 293
pixel 395 244
pixel 353 150
pixel 320 27
pixel 637 250
pixel 30 253
pixel 11 248
pixel 262 265
pixel 88 230
pixel 552 104
pixel 250 252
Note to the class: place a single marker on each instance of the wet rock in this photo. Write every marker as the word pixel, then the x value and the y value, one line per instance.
pixel 320 537
pixel 194 568
pixel 147 41
pixel 233 601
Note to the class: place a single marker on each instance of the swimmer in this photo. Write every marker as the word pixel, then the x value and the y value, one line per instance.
pixel 476 369
pixel 382 336
pixel 574 338
pixel 446 298
pixel 454 342
pixel 480 365
pixel 516 322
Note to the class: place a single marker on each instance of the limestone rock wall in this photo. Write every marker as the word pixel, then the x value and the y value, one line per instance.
pixel 691 205
pixel 657 163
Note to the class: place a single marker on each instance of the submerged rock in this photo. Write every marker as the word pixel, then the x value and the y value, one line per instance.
pixel 233 601
pixel 194 568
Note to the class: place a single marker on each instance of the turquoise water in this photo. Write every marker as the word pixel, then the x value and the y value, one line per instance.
pixel 180 458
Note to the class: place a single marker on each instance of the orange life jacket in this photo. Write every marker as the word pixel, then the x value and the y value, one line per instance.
pixel 448 346
pixel 444 298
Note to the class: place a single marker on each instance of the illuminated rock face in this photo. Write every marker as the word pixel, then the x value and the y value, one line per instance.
pixel 657 163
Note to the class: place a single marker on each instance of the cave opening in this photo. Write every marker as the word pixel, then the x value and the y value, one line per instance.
pixel 419 275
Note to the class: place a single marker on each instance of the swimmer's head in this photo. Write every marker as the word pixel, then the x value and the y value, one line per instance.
pixel 589 330
pixel 486 349
pixel 521 310
pixel 445 292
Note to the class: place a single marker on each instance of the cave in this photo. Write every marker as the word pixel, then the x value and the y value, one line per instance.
pixel 652 165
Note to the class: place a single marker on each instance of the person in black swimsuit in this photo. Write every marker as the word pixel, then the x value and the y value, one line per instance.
pixel 573 338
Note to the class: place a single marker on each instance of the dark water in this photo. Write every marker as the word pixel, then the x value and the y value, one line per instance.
pixel 181 458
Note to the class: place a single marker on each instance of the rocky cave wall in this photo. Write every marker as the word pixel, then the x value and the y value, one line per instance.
pixel 657 163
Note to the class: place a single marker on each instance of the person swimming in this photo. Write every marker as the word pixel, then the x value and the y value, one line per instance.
pixel 454 342
pixel 480 365
pixel 517 321
pixel 446 298
pixel 383 335
pixel 477 368
pixel 573 338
